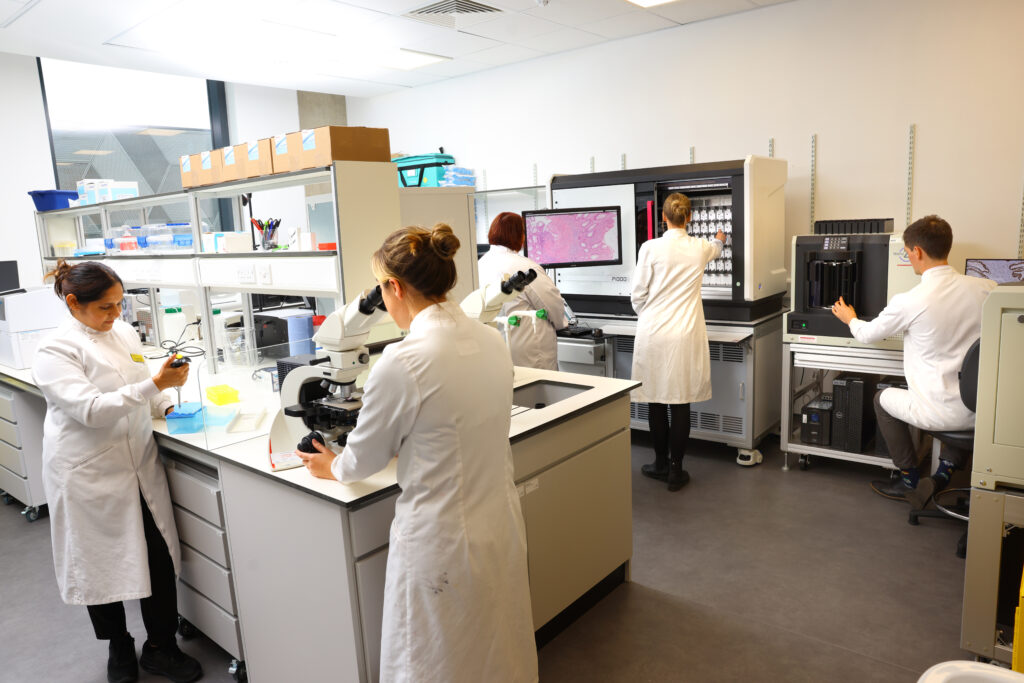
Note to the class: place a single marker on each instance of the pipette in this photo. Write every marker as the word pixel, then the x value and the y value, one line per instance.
pixel 178 361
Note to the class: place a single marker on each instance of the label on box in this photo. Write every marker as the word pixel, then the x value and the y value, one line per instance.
pixel 229 156
pixel 254 151
pixel 281 144
pixel 205 161
pixel 308 140
pixel 186 166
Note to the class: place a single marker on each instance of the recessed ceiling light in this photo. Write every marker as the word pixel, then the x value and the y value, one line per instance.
pixel 161 132
pixel 94 152
pixel 407 60
pixel 65 163
pixel 650 3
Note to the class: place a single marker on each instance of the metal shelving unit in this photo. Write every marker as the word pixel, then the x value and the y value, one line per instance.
pixel 366 209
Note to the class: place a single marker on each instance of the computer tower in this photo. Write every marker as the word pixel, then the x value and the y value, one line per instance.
pixel 894 382
pixel 853 416
pixel 816 421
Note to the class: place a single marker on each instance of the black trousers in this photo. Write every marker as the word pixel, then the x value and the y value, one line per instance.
pixel 669 440
pixel 900 442
pixel 159 610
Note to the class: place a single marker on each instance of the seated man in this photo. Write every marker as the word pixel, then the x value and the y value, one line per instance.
pixel 940 318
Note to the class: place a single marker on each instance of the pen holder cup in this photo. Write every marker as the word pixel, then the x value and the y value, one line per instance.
pixel 268 243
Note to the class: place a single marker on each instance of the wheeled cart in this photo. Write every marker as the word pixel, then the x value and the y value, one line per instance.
pixel 800 360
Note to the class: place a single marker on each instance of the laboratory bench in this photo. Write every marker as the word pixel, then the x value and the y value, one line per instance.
pixel 279 568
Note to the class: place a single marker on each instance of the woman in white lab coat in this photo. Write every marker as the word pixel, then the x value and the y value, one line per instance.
pixel 111 524
pixel 670 355
pixel 533 342
pixel 456 597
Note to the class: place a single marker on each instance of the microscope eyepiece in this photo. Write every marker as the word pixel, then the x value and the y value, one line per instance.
pixel 375 299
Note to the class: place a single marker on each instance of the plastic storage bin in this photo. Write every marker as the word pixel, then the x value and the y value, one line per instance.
pixel 186 418
pixel 425 170
pixel 49 200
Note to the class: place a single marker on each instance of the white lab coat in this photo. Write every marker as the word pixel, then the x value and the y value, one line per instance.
pixel 939 318
pixel 533 344
pixel 98 453
pixel 670 352
pixel 456 596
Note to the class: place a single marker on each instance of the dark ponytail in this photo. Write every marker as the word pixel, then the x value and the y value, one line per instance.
pixel 88 280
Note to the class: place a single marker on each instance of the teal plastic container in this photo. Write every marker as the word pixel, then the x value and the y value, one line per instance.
pixel 424 170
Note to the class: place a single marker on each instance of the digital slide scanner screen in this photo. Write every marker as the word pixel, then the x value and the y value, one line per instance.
pixel 569 238
pixel 1001 270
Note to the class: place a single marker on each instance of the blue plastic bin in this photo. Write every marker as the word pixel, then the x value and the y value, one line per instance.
pixel 186 418
pixel 49 200
pixel 424 170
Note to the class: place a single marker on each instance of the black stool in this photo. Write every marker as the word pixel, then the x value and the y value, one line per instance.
pixel 961 440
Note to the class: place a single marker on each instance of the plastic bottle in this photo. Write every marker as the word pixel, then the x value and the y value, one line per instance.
pixel 173 324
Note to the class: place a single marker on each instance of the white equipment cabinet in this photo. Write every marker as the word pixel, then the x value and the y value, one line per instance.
pixel 21 449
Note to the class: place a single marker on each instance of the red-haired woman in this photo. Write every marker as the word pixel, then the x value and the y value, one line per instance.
pixel 533 345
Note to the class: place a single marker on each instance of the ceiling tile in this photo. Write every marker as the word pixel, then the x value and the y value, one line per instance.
pixel 564 39
pixel 629 24
pixel 453 44
pixel 456 67
pixel 514 28
pixel 698 10
pixel 504 54
pixel 578 12
pixel 325 16
pixel 511 5
pixel 388 6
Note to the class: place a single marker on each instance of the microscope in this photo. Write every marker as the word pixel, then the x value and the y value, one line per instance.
pixel 320 402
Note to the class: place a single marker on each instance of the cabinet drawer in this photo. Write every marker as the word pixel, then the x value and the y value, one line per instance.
pixel 15 485
pixel 7 411
pixel 371 525
pixel 203 536
pixel 195 492
pixel 207 577
pixel 13 459
pixel 370 586
pixel 9 433
pixel 218 625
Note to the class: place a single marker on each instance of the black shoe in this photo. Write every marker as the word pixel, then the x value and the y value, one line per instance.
pixel 170 662
pixel 893 489
pixel 122 666
pixel 654 471
pixel 677 478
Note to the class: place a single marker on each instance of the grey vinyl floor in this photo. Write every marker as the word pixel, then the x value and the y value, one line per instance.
pixel 747 574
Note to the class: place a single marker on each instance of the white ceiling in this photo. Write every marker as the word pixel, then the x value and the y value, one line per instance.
pixel 330 46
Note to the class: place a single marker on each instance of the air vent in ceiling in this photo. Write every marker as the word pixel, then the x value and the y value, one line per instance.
pixel 448 12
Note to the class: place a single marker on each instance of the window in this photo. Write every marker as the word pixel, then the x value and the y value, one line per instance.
pixel 127 125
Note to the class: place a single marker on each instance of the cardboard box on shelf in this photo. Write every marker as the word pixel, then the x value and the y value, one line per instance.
pixel 285 152
pixel 230 164
pixel 202 169
pixel 320 146
pixel 258 158
pixel 187 174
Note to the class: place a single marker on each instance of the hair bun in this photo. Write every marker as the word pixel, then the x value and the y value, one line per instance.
pixel 59 273
pixel 443 241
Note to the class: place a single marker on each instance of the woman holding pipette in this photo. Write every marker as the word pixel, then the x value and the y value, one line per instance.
pixel 113 531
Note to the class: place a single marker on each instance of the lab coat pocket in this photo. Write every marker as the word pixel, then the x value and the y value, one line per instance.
pixel 79 460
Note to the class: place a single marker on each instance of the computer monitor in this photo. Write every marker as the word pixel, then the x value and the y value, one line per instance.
pixel 570 238
pixel 1001 270
pixel 9 276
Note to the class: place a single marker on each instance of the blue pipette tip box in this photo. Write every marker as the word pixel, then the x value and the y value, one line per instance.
pixel 186 418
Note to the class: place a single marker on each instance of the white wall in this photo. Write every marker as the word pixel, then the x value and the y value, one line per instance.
pixel 855 72
pixel 26 164
pixel 256 112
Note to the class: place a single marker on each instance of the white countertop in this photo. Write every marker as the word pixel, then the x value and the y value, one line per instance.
pixel 251 449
